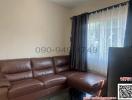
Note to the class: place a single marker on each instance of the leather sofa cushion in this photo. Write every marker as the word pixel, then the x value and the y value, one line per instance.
pixel 19 76
pixel 62 68
pixel 61 63
pixel 52 80
pixel 89 82
pixel 17 69
pixel 23 87
pixel 68 73
pixel 42 66
pixel 15 66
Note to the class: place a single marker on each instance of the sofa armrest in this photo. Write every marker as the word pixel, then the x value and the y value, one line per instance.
pixel 4 93
pixel 4 82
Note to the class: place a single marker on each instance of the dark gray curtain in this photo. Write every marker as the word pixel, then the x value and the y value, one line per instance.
pixel 128 35
pixel 78 53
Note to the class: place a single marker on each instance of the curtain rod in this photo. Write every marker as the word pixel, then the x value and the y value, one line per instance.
pixel 123 3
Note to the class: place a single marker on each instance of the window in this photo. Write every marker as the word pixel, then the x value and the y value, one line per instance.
pixel 105 29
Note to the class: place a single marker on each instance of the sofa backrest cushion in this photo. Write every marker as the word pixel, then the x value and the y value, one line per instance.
pixel 16 69
pixel 42 66
pixel 61 63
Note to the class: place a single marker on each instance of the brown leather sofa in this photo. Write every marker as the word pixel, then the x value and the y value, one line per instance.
pixel 33 78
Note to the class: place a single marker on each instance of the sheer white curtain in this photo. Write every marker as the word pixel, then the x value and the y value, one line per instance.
pixel 105 29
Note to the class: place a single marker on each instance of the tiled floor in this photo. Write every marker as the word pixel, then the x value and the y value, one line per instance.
pixel 63 95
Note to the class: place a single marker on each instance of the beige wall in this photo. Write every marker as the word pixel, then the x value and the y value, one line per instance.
pixel 27 24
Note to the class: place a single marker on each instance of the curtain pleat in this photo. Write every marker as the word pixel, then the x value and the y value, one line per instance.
pixel 78 50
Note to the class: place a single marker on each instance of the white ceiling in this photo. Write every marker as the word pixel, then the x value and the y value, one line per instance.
pixel 70 3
